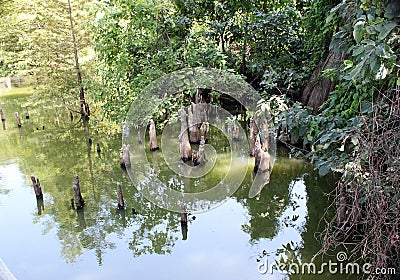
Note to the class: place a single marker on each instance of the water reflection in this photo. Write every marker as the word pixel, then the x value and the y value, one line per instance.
pixel 225 242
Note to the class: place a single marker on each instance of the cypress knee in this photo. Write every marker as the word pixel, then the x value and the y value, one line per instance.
pixel 265 135
pixel 253 134
pixel 185 149
pixel 18 119
pixel 36 187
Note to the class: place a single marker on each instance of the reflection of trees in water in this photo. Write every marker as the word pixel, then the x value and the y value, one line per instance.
pixel 56 155
pixel 265 209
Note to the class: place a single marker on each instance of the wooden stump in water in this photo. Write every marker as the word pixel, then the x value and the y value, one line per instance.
pixel 121 203
pixel 235 131
pixel 202 154
pixel 185 150
pixel 124 156
pixel 265 161
pixel 265 135
pixel 26 113
pixel 204 130
pixel 153 136
pixel 193 129
pixel 18 119
pixel 253 134
pixel 36 187
pixel 262 158
pixel 3 118
pixel 79 202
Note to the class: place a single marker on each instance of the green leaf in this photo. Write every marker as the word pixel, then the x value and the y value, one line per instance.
pixel 358 31
pixel 386 29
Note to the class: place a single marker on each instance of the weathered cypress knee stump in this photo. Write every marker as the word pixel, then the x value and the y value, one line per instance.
pixel 253 134
pixel 185 150
pixel 18 119
pixel 36 187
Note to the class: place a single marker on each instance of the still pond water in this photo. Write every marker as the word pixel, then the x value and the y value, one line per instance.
pixel 52 241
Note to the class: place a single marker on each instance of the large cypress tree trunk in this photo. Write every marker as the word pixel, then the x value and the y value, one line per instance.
pixel 317 89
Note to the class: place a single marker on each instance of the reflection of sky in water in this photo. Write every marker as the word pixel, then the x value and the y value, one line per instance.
pixel 217 247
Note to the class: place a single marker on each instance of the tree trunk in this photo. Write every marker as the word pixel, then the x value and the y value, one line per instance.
pixel 253 134
pixel 85 112
pixel 317 90
pixel 185 149
pixel 265 135
pixel 193 123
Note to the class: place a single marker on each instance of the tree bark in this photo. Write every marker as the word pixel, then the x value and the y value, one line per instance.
pixel 253 134
pixel 265 135
pixel 185 149
pixel 317 89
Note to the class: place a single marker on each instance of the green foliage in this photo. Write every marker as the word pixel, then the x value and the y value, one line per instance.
pixel 138 42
